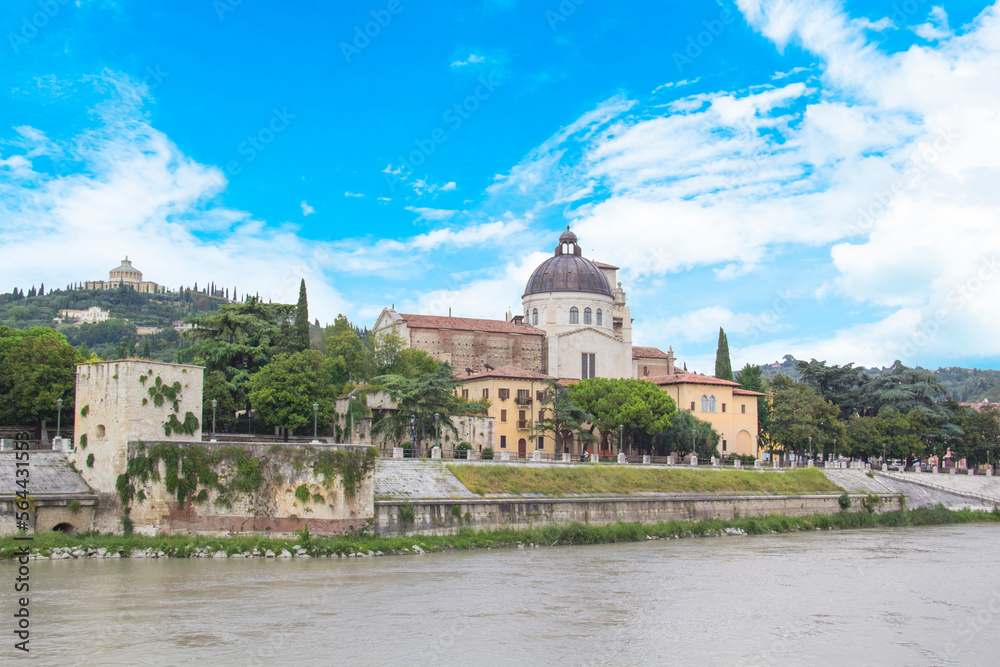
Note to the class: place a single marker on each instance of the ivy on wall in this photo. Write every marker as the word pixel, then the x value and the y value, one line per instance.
pixel 161 393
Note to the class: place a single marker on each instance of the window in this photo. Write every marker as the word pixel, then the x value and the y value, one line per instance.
pixel 704 403
pixel 541 442
pixel 503 415
pixel 541 415
pixel 723 407
pixel 504 393
pixel 100 430
pixel 692 406
pixel 600 318
pixel 645 371
pixel 539 396
pixel 743 408
pixel 723 442
pixel 534 317
pixel 503 442
pixel 711 404
pixel 465 394
pixel 574 315
pixel 587 367
pixel 523 393
pixel 486 394
pixel 586 315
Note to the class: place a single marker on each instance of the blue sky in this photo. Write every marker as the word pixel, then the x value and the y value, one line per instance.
pixel 817 177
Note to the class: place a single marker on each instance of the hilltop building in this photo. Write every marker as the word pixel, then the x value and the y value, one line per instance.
pixel 91 315
pixel 576 325
pixel 126 275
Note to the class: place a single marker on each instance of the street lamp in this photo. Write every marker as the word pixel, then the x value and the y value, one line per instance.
pixel 810 447
pixel 883 453
pixel 59 418
pixel 835 449
pixel 692 441
pixel 437 431
pixel 621 437
pixel 315 418
pixel 413 434
pixel 215 404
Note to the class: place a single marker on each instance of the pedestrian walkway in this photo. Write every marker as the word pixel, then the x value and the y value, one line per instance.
pixel 410 479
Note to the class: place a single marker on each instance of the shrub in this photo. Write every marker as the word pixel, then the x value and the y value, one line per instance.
pixel 90 460
pixel 845 501
pixel 488 454
pixel 462 450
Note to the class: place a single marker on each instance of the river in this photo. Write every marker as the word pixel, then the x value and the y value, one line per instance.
pixel 905 596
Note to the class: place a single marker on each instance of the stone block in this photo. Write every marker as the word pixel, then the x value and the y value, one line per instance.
pixel 885 467
pixel 989 472
pixel 436 453
pixel 737 463
pixel 397 452
pixel 757 464
pixel 972 471
pixel 953 471
pixel 670 460
pixel 536 456
pixel 505 456
pixel 646 459
pixel 621 458
pixel 565 457
pixel 594 458
pixel 694 460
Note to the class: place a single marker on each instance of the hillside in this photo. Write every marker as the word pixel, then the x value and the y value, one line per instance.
pixel 963 384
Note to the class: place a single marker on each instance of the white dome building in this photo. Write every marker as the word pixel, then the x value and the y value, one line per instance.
pixel 588 329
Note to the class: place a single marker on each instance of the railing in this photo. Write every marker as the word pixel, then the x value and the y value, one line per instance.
pixel 522 400
pixel 523 425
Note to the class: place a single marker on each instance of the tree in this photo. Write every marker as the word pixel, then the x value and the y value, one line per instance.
pixel 284 391
pixel 799 413
pixel 903 389
pixel 420 398
pixel 240 339
pixel 847 386
pixel 215 387
pixel 751 378
pixel 723 366
pixel 37 367
pixel 341 340
pixel 386 349
pixel 302 318
pixel 679 437
pixel 563 417
pixel 642 408
pixel 146 352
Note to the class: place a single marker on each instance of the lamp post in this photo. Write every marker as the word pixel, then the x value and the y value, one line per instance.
pixel 59 418
pixel 413 434
pixel 215 404
pixel 437 431
pixel 834 449
pixel 810 448
pixel 621 437
pixel 883 453
pixel 315 419
pixel 692 441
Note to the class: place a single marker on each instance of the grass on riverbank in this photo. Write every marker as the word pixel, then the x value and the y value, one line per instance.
pixel 624 480
pixel 467 538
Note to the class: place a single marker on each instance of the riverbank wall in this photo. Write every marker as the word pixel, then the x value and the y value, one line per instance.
pixel 445 517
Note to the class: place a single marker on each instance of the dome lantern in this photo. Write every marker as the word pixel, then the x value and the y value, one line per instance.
pixel 567 271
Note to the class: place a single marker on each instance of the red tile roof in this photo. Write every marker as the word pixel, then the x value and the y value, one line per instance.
pixel 746 392
pixel 468 324
pixel 602 265
pixel 639 352
pixel 689 378
pixel 506 373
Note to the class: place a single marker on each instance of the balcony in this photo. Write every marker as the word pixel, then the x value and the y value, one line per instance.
pixel 523 425
pixel 522 400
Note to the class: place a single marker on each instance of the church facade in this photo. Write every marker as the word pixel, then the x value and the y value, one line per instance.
pixel 576 324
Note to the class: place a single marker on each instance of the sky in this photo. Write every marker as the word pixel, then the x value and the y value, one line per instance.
pixel 819 178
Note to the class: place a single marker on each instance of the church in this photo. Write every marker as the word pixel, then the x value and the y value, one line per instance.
pixel 576 325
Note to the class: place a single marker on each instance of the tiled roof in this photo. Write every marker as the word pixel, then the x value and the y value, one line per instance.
pixel 690 378
pixel 506 373
pixel 50 475
pixel 639 352
pixel 468 324
pixel 602 265
pixel 746 392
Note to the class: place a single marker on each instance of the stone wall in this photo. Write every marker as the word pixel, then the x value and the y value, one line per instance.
pixel 50 514
pixel 259 488
pixel 467 349
pixel 437 517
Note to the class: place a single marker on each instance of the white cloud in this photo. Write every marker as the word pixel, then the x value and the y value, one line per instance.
pixel 353 194
pixel 424 213
pixel 473 59
pixel 448 187
pixel 306 208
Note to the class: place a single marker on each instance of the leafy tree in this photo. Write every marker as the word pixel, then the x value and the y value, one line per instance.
pixel 146 352
pixel 903 389
pixel 37 367
pixel 799 413
pixel 640 406
pixel 386 349
pixel 284 391
pixel 302 318
pixel 420 398
pixel 751 378
pixel 215 387
pixel 679 437
pixel 240 339
pixel 723 366
pixel 847 386
pixel 340 340
pixel 125 348
pixel 563 417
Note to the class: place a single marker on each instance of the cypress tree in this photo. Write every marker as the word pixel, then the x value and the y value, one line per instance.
pixel 723 367
pixel 41 290
pixel 145 349
pixel 302 318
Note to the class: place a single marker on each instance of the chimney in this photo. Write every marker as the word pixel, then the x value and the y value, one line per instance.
pixel 670 361
pixel 519 319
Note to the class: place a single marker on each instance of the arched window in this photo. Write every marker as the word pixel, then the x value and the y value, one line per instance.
pixel 704 403
pixel 600 318
pixel 534 317
pixel 586 315
pixel 711 404
pixel 574 315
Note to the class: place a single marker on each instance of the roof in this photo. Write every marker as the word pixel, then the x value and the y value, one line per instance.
pixel 51 475
pixel 639 352
pixel 468 324
pixel 746 392
pixel 690 378
pixel 602 265
pixel 506 373
pixel 567 271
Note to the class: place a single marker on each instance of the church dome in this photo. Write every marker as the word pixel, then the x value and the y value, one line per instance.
pixel 567 271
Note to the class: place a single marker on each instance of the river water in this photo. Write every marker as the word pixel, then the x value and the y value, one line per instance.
pixel 909 596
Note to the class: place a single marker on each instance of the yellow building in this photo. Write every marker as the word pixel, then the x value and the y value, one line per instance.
pixel 515 397
pixel 730 410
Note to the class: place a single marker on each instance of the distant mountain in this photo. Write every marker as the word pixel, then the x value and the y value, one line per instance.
pixel 963 384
